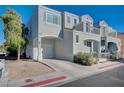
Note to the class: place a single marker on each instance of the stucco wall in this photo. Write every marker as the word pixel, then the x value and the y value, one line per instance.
pixel 64 47
pixel 78 47
pixel 85 19
pixel 72 17
pixel 48 29
pixel 32 47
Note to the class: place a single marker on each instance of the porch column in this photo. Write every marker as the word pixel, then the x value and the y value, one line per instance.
pixel 92 47
pixel 99 50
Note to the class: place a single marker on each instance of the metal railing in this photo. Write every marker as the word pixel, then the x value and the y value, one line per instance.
pixel 112 34
pixel 95 55
pixel 109 55
pixel 95 30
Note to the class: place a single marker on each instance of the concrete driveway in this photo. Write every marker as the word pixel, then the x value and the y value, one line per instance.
pixel 66 66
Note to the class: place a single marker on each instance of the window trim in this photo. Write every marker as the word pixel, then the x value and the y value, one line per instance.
pixel 51 23
pixel 75 20
pixel 87 43
pixel 68 19
pixel 88 26
pixel 77 39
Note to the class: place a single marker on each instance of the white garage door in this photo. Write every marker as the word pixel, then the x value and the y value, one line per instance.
pixel 48 48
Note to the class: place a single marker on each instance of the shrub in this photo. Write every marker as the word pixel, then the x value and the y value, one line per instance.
pixel 84 58
pixel 78 58
pixel 113 56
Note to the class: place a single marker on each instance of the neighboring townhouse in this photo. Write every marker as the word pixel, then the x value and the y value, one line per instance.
pixel 53 34
pixel 121 36
pixel 110 43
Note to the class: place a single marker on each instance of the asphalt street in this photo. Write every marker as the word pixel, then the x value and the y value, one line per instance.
pixel 111 78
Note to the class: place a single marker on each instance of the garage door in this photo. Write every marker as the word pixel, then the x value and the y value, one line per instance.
pixel 48 48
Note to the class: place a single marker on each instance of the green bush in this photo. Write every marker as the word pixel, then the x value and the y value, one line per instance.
pixel 78 58
pixel 113 56
pixel 84 58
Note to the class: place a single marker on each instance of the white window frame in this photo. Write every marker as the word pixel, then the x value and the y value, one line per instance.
pixel 68 19
pixel 88 26
pixel 58 17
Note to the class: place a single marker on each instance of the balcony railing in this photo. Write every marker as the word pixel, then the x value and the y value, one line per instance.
pixel 95 30
pixel 112 34
pixel 108 55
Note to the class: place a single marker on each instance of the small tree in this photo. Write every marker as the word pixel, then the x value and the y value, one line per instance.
pixel 13 30
pixel 25 31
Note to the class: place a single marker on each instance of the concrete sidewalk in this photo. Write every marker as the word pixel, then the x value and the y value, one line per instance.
pixel 75 71
pixel 65 72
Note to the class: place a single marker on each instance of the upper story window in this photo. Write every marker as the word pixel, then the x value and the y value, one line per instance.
pixel 52 18
pixel 75 21
pixel 104 31
pixel 77 38
pixel 68 19
pixel 88 27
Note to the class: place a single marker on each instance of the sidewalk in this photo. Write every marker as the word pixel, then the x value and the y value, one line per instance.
pixel 75 71
pixel 65 72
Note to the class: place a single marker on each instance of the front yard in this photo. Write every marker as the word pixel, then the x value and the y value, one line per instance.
pixel 24 69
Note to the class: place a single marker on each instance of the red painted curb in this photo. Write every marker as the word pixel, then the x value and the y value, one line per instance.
pixel 108 66
pixel 45 82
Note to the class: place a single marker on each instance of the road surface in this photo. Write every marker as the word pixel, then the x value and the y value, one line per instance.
pixel 111 78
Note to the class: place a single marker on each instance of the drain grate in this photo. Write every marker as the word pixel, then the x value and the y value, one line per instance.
pixel 28 80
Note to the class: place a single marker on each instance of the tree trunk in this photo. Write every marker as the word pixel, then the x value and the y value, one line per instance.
pixel 18 54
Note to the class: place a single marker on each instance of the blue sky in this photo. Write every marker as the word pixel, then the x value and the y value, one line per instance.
pixel 113 15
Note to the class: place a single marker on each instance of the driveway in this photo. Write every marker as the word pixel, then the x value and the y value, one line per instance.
pixel 67 66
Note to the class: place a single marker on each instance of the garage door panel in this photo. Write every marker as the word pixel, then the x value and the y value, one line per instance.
pixel 48 48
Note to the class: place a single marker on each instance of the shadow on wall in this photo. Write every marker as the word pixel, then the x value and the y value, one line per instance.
pixel 61 34
pixel 0 73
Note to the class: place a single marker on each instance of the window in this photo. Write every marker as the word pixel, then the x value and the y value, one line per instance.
pixel 87 27
pixel 104 31
pixel 68 19
pixel 75 21
pixel 77 39
pixel 87 43
pixel 102 42
pixel 52 18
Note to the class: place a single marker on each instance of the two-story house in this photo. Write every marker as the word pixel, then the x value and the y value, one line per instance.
pixel 60 35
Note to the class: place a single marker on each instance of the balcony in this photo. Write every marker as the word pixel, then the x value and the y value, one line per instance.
pixel 92 30
pixel 95 30
pixel 112 34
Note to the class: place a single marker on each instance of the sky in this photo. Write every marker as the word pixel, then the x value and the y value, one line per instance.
pixel 113 15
